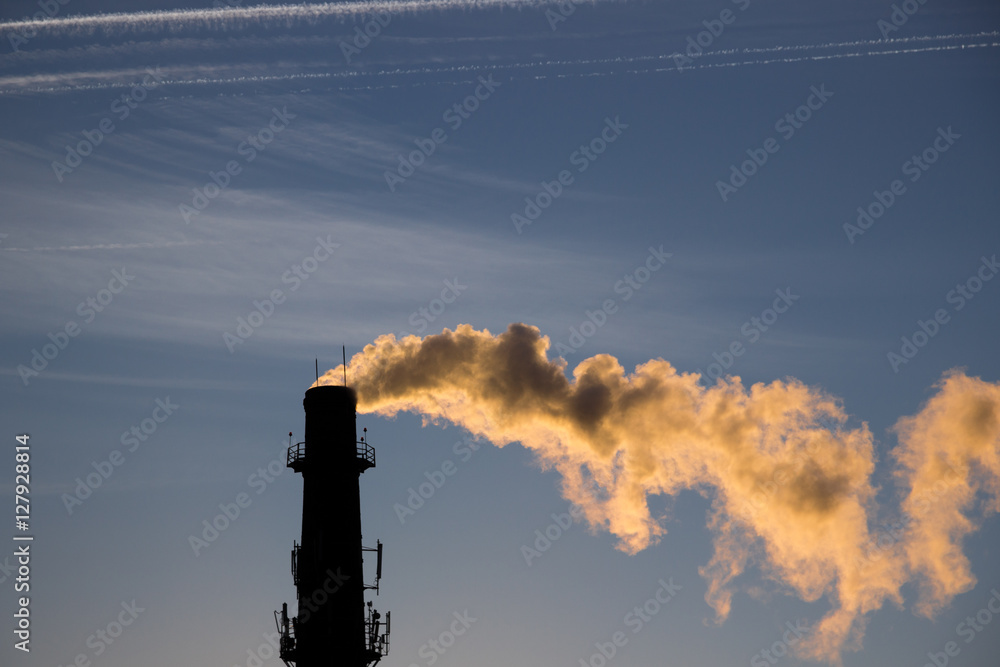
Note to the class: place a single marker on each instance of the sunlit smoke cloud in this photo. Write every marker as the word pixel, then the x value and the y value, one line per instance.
pixel 949 460
pixel 789 481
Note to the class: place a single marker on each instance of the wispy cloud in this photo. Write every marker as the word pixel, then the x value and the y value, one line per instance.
pixel 188 383
pixel 111 246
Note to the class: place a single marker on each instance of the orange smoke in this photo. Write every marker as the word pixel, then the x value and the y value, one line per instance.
pixel 790 483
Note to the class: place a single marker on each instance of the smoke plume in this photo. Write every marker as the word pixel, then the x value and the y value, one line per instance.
pixel 789 481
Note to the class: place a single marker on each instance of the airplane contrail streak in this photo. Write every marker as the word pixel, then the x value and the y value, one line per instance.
pixel 238 17
pixel 111 246
pixel 709 60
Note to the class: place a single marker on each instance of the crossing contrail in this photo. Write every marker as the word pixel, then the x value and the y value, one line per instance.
pixel 537 69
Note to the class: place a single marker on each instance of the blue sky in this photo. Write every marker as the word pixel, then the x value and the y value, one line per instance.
pixel 300 125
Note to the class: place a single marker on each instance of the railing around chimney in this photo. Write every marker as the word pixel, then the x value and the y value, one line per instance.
pixel 296 459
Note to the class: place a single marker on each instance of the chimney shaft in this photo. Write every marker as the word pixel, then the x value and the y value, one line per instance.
pixel 327 564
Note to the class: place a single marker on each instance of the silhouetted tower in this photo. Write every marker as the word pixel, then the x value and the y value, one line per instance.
pixel 332 626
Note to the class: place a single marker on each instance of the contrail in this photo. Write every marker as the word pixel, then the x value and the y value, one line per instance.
pixel 830 56
pixel 111 246
pixel 172 21
pixel 790 482
pixel 726 58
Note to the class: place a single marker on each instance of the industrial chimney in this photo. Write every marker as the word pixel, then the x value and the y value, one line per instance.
pixel 332 624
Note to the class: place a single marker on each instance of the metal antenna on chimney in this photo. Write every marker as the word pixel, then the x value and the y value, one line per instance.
pixel 317 370
pixel 343 350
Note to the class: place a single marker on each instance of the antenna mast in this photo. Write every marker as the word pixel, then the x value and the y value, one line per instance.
pixel 343 350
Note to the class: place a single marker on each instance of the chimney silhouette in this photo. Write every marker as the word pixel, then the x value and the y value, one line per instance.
pixel 332 624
